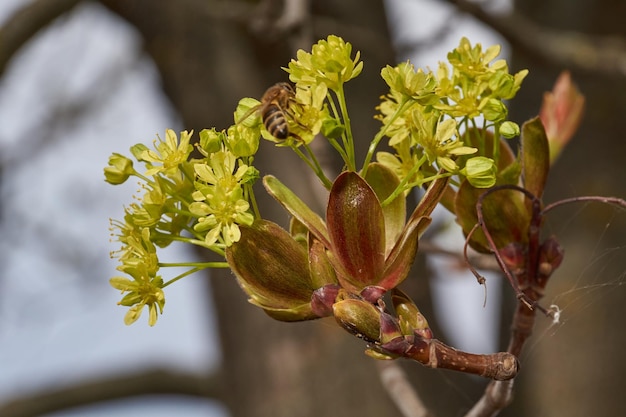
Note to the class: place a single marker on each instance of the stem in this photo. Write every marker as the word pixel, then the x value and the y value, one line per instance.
pixel 349 142
pixel 196 265
pixel 333 142
pixel 433 353
pixel 606 200
pixel 202 244
pixel 403 184
pixel 312 162
pixel 183 275
pixel 481 137
pixel 381 133
pixel 496 143
pixel 399 388
pixel 320 171
pixel 497 396
pixel 252 198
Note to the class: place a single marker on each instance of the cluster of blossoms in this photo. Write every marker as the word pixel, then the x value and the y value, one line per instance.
pixel 440 121
pixel 198 201
pixel 445 128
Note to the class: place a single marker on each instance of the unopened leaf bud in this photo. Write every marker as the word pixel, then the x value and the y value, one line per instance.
pixel 359 317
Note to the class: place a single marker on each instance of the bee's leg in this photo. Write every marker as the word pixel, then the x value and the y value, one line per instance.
pixel 293 118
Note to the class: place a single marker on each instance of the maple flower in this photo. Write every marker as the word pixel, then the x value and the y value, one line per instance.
pixel 329 62
pixel 219 203
pixel 169 153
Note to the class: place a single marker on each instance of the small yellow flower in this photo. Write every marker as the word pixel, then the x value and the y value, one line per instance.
pixel 119 169
pixel 219 203
pixel 329 62
pixel 142 292
pixel 219 215
pixel 169 153
pixel 443 147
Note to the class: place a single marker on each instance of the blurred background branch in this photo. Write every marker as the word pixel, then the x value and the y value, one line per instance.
pixel 602 55
pixel 87 392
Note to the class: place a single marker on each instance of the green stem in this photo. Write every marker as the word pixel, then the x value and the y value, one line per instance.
pixel 311 163
pixel 197 265
pixel 349 143
pixel 319 171
pixel 430 179
pixel 402 187
pixel 201 243
pixel 381 133
pixel 335 113
pixel 481 138
pixel 181 276
pixel 252 199
pixel 496 142
pixel 339 150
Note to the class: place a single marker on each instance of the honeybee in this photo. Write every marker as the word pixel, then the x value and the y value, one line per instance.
pixel 274 110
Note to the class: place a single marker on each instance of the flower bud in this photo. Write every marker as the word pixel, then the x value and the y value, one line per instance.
pixel 243 141
pixel 550 257
pixel 494 110
pixel 411 319
pixel 561 113
pixel 480 172
pixel 211 140
pixel 272 268
pixel 119 169
pixel 509 129
pixel 358 317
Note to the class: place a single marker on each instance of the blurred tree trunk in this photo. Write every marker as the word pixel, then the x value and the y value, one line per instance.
pixel 578 369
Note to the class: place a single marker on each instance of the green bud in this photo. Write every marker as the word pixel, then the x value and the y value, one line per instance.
pixel 119 169
pixel 243 141
pixel 509 129
pixel 332 128
pixel 411 319
pixel 138 151
pixel 251 176
pixel 211 140
pixel 358 317
pixel 494 110
pixel 480 172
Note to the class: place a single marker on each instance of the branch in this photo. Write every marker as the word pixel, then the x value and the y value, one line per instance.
pixel 400 390
pixel 87 392
pixel 26 22
pixel 563 49
pixel 498 395
pixel 478 261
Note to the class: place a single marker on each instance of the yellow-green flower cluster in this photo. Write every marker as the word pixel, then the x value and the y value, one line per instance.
pixel 325 69
pixel 425 114
pixel 200 201
pixel 219 202
pixel 139 260
pixel 477 84
pixel 305 117
pixel 329 62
